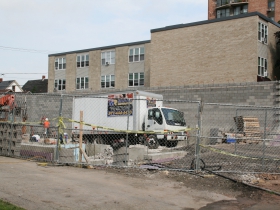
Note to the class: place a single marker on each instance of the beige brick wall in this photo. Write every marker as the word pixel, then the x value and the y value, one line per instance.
pixel 272 55
pixel 219 52
pixel 147 70
pixel 70 72
pixel 121 68
pixel 94 70
pixel 51 74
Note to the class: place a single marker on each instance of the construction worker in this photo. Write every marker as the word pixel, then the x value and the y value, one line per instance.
pixel 46 126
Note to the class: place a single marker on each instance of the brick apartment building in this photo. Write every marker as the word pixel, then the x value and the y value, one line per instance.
pixel 237 48
pixel 225 8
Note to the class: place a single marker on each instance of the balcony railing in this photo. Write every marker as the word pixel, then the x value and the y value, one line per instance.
pixel 220 3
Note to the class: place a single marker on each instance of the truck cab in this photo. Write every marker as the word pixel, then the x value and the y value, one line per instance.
pixel 168 124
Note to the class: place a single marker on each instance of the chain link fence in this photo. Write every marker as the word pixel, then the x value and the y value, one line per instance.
pixel 141 129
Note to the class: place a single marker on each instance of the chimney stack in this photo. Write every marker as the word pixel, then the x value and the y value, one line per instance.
pixel 43 77
pixel 1 79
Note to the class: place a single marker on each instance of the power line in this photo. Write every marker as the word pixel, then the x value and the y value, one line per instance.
pixel 27 50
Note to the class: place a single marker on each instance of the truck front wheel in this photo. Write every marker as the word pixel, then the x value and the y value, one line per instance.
pixel 98 140
pixel 152 142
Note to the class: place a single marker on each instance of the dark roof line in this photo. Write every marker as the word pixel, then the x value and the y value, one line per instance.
pixel 102 48
pixel 215 20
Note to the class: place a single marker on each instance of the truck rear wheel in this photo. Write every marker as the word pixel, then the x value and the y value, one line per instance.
pixel 152 142
pixel 171 143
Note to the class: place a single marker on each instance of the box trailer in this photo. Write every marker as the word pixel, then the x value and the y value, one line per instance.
pixel 136 116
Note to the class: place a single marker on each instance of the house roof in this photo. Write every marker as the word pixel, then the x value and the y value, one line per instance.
pixel 5 84
pixel 216 20
pixel 102 48
pixel 36 86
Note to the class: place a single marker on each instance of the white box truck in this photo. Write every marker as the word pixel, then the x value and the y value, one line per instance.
pixel 137 116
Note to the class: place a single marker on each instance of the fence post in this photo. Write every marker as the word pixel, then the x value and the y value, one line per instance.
pixel 197 149
pixel 264 137
pixel 59 129
pixel 127 127
pixel 237 131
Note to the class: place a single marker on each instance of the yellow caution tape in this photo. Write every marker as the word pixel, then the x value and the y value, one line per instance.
pixel 234 155
pixel 129 131
pixel 62 126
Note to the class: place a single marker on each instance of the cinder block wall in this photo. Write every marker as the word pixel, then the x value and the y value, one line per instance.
pixel 186 98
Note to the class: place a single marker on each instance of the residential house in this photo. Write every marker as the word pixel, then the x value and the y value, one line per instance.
pixel 36 86
pixel 10 85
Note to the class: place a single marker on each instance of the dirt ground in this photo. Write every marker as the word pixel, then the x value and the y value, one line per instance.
pixel 31 186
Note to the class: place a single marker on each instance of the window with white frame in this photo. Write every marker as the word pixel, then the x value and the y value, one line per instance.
pixel 81 83
pixel 136 54
pixel 60 63
pixel 108 81
pixel 135 79
pixel 60 84
pixel 107 58
pixel 82 60
pixel 262 33
pixel 262 67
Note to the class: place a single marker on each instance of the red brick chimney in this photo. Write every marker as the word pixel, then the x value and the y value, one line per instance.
pixel 1 79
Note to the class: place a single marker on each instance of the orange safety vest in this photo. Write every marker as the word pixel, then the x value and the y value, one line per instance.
pixel 46 124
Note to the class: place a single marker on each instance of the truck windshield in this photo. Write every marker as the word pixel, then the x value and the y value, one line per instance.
pixel 173 117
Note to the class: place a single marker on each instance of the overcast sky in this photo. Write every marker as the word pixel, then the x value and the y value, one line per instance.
pixel 32 29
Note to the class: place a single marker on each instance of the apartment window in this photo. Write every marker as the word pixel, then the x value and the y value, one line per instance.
pixel 82 83
pixel 108 81
pixel 136 79
pixel 14 88
pixel 262 33
pixel 262 67
pixel 82 61
pixel 271 5
pixel 236 10
pixel 60 63
pixel 223 13
pixel 107 58
pixel 60 84
pixel 240 10
pixel 136 54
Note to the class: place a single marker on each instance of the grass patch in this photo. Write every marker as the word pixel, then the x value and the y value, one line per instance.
pixel 8 206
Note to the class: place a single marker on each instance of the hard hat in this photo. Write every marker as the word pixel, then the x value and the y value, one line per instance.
pixel 47 119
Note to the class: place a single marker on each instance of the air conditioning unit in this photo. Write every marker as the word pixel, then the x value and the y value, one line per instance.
pixel 107 63
pixel 265 74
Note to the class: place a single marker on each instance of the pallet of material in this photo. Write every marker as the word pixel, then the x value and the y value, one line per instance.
pixel 249 127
